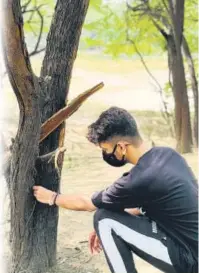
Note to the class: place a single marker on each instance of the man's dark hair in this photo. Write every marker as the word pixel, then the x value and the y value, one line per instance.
pixel 114 122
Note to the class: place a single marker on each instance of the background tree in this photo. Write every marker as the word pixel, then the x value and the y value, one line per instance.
pixel 147 28
pixel 168 18
pixel 34 225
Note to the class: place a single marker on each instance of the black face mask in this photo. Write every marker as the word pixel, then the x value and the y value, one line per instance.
pixel 112 160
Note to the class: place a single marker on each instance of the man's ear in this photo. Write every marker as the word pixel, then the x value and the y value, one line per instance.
pixel 122 146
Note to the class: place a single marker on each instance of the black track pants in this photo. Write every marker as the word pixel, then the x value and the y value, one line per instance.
pixel 122 234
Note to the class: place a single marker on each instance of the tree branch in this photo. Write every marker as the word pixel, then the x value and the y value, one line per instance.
pixel 37 10
pixel 161 30
pixel 165 113
pixel 148 71
pixel 24 7
pixel 166 7
pixel 153 14
pixel 35 52
pixel 53 122
pixel 22 80
pixel 24 85
pixel 136 8
pixel 177 18
pixel 16 55
pixel 158 16
pixel 41 30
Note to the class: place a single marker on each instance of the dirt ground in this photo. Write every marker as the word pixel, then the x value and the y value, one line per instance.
pixel 84 170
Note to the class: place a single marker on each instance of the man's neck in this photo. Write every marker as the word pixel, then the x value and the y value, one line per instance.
pixel 136 153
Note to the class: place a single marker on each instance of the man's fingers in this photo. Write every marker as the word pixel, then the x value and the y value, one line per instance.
pixel 94 245
pixel 98 242
pixel 35 192
pixel 97 245
pixel 100 247
pixel 91 242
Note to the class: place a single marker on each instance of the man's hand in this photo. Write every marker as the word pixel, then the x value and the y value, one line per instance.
pixel 42 195
pixel 67 201
pixel 94 243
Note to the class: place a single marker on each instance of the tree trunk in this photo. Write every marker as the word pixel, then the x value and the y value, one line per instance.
pixel 182 114
pixel 194 86
pixel 34 225
pixel 25 148
pixel 173 34
pixel 54 81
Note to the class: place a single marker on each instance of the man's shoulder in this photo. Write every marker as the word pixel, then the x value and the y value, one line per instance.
pixel 138 175
pixel 155 162
pixel 162 156
pixel 164 150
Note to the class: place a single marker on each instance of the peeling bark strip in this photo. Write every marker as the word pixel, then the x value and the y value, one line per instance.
pixel 53 122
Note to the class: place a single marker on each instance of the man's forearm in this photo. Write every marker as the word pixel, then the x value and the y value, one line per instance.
pixel 75 202
pixel 134 211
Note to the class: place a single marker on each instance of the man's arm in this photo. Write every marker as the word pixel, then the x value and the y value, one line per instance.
pixel 75 202
pixel 134 211
pixel 71 202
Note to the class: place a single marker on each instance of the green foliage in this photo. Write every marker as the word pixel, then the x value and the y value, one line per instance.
pixel 107 23
pixel 167 90
pixel 109 31
pixel 33 14
pixel 191 24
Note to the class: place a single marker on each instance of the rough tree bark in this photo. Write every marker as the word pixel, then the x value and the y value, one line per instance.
pixel 194 86
pixel 182 113
pixel 25 149
pixel 33 225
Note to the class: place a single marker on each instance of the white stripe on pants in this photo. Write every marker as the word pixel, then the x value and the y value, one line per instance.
pixel 148 245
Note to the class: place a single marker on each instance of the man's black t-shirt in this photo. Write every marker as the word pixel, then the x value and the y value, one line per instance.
pixel 164 186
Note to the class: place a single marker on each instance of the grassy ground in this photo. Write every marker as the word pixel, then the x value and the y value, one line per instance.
pixel 126 85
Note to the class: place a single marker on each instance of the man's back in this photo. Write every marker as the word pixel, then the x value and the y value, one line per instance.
pixel 164 186
pixel 172 195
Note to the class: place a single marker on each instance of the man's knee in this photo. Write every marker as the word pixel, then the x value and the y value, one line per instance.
pixel 121 216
